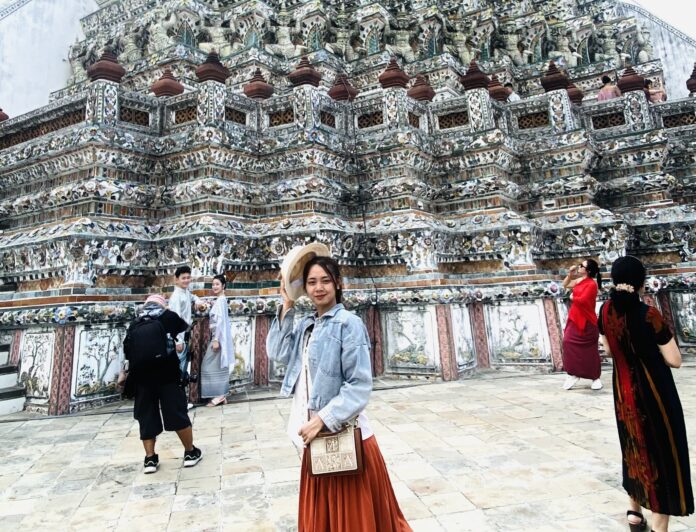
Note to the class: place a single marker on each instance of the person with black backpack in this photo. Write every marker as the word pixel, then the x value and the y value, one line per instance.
pixel 154 379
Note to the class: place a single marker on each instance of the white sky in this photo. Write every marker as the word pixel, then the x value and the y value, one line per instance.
pixel 679 13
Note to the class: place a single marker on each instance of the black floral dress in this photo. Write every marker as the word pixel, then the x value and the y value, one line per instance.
pixel 649 415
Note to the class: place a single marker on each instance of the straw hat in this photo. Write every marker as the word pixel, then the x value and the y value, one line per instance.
pixel 293 267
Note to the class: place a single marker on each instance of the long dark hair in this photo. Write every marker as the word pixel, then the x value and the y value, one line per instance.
pixel 593 271
pixel 330 266
pixel 626 273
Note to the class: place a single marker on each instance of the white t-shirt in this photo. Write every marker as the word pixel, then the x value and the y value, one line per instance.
pixel 180 302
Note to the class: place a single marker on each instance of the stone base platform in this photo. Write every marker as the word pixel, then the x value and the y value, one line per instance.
pixel 498 452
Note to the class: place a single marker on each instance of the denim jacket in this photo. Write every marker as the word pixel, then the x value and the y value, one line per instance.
pixel 339 362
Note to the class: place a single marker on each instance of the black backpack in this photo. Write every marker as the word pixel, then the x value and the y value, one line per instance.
pixel 145 344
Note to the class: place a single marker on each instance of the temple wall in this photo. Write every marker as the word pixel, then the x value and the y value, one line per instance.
pixel 34 42
pixel 69 367
pixel 677 52
pixel 68 356
pixel 683 305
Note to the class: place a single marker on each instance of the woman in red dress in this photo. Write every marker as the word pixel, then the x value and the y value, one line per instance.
pixel 581 337
pixel 649 415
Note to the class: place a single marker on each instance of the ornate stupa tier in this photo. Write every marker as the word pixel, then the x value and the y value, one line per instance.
pixel 514 40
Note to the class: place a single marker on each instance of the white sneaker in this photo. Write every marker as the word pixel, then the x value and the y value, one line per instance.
pixel 597 384
pixel 189 406
pixel 570 382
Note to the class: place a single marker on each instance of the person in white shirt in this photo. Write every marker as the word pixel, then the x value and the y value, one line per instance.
pixel 512 95
pixel 181 302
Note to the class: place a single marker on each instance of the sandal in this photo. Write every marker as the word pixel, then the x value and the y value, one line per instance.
pixel 637 527
pixel 214 402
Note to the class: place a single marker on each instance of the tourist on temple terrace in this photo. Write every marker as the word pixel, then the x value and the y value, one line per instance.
pixel 654 95
pixel 154 370
pixel 649 416
pixel 215 368
pixel 581 337
pixel 181 302
pixel 344 484
pixel 609 90
pixel 512 95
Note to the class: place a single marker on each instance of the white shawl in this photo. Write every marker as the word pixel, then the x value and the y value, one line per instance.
pixel 222 331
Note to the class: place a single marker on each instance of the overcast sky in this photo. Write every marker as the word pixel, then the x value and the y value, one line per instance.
pixel 679 13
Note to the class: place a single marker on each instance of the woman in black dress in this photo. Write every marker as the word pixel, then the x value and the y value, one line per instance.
pixel 649 415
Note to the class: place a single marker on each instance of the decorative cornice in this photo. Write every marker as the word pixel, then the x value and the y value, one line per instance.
pixel 122 312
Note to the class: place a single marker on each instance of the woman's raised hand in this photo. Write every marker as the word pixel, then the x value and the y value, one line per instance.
pixel 287 302
pixel 572 274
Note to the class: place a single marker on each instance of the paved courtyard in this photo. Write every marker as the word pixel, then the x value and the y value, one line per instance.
pixel 497 452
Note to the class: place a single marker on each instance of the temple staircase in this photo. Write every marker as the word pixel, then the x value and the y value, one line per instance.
pixel 12 395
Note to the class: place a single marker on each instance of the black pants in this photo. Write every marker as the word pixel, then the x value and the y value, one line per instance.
pixel 170 399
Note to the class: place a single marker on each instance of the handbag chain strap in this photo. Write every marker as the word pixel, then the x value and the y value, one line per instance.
pixel 305 368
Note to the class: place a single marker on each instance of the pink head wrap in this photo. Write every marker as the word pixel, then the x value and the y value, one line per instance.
pixel 158 299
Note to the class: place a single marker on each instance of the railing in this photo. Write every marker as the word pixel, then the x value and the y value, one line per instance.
pixel 138 111
pixel 278 112
pixel 530 116
pixel 42 121
pixel 332 115
pixel 451 116
pixel 368 114
pixel 605 119
pixel 675 114
pixel 181 111
pixel 417 115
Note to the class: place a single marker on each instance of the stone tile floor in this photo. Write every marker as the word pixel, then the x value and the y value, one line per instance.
pixel 501 451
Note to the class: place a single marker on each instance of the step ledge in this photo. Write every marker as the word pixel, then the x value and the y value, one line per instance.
pixel 8 368
pixel 13 392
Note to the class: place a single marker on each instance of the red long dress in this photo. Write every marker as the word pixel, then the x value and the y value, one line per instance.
pixel 581 336
pixel 649 414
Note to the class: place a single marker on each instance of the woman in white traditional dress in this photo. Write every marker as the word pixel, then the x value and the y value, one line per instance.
pixel 215 369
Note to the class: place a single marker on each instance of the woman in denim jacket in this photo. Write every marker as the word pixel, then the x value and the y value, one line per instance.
pixel 330 376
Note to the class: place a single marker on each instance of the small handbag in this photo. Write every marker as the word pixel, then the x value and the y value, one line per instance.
pixel 337 453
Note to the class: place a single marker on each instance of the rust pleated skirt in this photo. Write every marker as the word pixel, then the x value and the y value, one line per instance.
pixel 354 503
